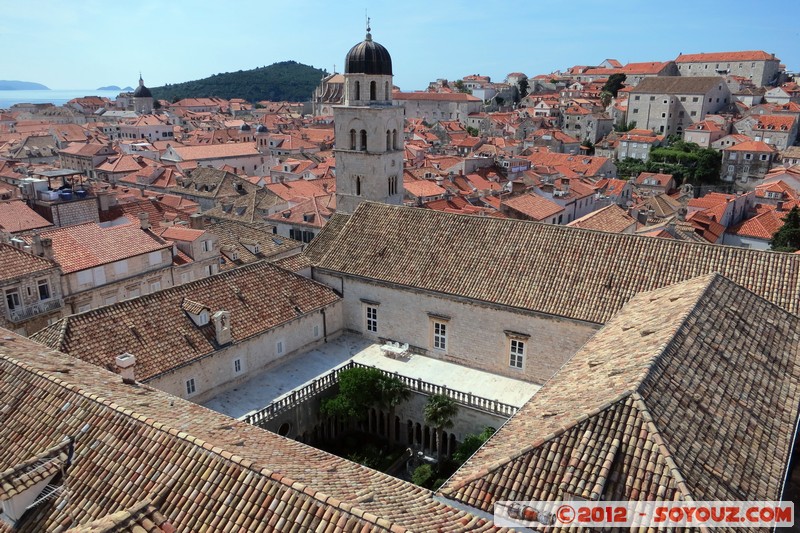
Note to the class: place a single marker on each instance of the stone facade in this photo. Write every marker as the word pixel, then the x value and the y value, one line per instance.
pixel 410 316
pixel 757 66
pixel 31 301
pixel 219 371
pixel 121 280
pixel 369 143
pixel 669 105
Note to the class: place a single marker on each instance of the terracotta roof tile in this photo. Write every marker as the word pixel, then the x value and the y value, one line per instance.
pixel 611 218
pixel 200 470
pixel 750 55
pixel 155 328
pixel 373 244
pixel 17 217
pixel 89 245
pixel 17 263
pixel 654 407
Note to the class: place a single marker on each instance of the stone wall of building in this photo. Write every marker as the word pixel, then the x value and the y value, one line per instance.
pixel 478 335
pixel 217 373
pixel 75 212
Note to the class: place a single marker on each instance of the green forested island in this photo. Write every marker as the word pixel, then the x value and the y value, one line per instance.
pixel 284 81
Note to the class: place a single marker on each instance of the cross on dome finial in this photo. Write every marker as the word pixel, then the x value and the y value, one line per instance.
pixel 369 35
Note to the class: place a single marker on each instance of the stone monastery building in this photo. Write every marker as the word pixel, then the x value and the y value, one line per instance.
pixel 669 368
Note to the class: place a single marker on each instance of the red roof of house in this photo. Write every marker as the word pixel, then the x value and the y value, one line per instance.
pixel 662 179
pixel 88 245
pixel 445 97
pixel 534 206
pixel 421 188
pixel 762 226
pixel 750 146
pixel 750 55
pixel 178 233
pixel 16 217
pixel 775 122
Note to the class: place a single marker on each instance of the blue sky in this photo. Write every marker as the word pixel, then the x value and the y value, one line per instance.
pixel 84 44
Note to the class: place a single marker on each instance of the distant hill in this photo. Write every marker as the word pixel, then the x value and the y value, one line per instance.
pixel 12 85
pixel 109 88
pixel 285 81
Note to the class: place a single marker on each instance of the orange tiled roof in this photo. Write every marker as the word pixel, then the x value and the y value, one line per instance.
pixel 177 233
pixel 751 55
pixel 215 151
pixel 17 217
pixel 137 447
pixel 611 218
pixel 775 122
pixel 444 97
pixel 89 245
pixel 423 187
pixel 654 407
pixel 762 226
pixel 750 146
pixel 18 263
pixel 372 244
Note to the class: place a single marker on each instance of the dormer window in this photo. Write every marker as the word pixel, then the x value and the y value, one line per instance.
pixel 199 313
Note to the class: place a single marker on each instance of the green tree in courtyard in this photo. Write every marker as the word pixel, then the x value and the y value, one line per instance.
pixel 787 239
pixel 439 413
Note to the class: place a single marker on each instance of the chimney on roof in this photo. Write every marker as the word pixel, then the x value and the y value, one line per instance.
pixel 36 245
pixel 779 206
pixel 144 221
pixel 47 248
pixel 104 199
pixel 222 327
pixel 126 364
pixel 196 221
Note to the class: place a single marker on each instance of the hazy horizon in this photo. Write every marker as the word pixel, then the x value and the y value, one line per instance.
pixel 96 43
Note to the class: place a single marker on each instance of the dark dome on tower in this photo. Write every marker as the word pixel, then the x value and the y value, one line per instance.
pixel 142 91
pixel 368 57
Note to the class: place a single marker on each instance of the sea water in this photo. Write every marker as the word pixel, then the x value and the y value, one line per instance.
pixel 56 96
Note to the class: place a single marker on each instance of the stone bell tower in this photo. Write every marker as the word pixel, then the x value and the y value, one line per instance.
pixel 369 131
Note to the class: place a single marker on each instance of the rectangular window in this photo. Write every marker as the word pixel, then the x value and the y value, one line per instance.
pixel 440 335
pixel 316 331
pixel 695 98
pixel 99 275
pixel 237 366
pixel 372 319
pixel 517 353
pixel 208 246
pixel 84 277
pixel 44 289
pixel 763 157
pixel 154 258
pixel 279 347
pixel 190 387
pixel 121 267
pixel 12 298
pixel 155 286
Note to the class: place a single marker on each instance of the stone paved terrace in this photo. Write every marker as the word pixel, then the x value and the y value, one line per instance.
pixel 270 384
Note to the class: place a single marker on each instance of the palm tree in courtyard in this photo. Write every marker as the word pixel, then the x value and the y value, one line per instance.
pixel 439 413
pixel 393 392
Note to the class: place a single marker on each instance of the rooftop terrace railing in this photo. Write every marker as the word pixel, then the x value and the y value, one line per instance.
pixel 326 381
